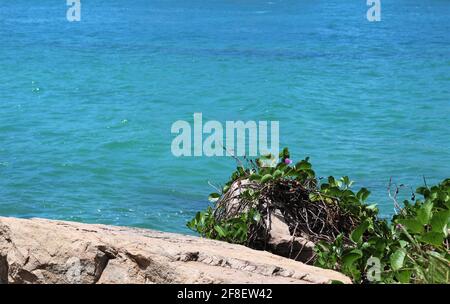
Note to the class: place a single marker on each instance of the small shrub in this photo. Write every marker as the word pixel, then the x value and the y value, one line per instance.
pixel 234 230
pixel 412 248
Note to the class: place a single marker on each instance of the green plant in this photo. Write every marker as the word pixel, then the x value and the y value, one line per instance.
pixel 234 230
pixel 413 247
pixel 268 187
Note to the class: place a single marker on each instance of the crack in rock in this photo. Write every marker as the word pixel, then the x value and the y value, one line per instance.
pixel 140 260
pixel 4 268
pixel 102 259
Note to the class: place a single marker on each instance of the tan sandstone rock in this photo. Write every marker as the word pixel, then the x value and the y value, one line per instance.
pixel 45 251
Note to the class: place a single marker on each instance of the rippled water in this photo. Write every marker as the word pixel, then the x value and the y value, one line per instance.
pixel 86 108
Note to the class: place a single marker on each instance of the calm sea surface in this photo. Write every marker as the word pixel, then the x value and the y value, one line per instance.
pixel 86 107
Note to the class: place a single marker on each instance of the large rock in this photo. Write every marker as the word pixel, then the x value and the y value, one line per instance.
pixel 45 251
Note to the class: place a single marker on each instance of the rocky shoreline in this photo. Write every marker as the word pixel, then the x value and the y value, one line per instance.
pixel 44 251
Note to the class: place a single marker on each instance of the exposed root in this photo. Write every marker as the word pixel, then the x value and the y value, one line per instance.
pixel 307 212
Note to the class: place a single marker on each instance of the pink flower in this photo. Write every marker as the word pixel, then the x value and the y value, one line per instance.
pixel 288 161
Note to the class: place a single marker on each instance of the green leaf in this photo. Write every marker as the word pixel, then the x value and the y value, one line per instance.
pixel 241 171
pixel 403 276
pixel 303 165
pixel 356 235
pixel 380 244
pixel 373 207
pixel 447 203
pixel 277 173
pixel 267 156
pixel 257 217
pixel 255 177
pixel 433 238
pixel 403 243
pixel 411 225
pixel 439 221
pixel 213 197
pixel 424 213
pixel 266 178
pixel 422 190
pixel 220 231
pixel 351 257
pixel 225 188
pixel 332 181
pixel 397 259
pixel 191 225
pixel 363 194
pixel 310 173
pixel 346 181
pixel 284 153
pixel 434 192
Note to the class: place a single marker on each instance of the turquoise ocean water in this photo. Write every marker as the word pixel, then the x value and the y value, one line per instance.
pixel 86 107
